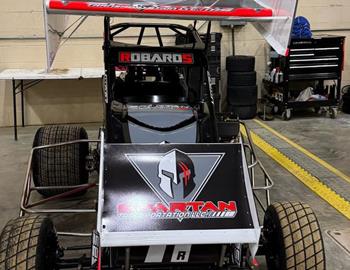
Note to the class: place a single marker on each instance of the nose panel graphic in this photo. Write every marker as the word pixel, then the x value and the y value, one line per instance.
pixel 176 173
pixel 175 176
pixel 167 173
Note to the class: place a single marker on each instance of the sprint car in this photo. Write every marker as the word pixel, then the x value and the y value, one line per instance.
pixel 176 185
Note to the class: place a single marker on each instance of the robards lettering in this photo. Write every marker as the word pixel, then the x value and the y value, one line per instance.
pixel 155 58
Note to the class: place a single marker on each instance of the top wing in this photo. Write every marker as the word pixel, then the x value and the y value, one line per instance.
pixel 180 9
pixel 272 18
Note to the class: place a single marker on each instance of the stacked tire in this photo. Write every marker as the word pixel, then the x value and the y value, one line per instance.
pixel 242 91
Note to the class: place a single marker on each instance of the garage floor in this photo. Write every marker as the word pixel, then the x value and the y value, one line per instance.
pixel 326 138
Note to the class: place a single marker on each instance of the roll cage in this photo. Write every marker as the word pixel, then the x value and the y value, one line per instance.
pixel 159 58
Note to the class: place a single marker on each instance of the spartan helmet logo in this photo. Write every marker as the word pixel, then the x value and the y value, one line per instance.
pixel 176 173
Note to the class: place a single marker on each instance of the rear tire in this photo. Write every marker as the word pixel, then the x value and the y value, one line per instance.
pixel 28 243
pixel 293 238
pixel 59 166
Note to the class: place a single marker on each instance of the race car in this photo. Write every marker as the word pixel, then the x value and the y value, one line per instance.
pixel 176 187
pixel 172 183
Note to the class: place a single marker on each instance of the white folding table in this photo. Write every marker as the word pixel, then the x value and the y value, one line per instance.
pixel 24 79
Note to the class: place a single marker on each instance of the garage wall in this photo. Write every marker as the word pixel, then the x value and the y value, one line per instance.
pixel 22 46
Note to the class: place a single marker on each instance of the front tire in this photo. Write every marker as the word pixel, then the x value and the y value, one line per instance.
pixel 293 237
pixel 28 243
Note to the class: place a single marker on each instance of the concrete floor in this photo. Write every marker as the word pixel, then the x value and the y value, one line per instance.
pixel 324 137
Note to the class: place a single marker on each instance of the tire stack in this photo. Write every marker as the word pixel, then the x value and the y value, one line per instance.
pixel 242 91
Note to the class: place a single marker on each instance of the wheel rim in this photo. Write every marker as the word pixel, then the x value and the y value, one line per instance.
pixel 288 114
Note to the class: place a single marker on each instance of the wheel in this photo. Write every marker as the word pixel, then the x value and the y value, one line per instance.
pixel 346 98
pixel 287 115
pixel 275 109
pixel 317 110
pixel 240 63
pixel 293 238
pixel 244 112
pixel 333 113
pixel 346 108
pixel 4 242
pixel 28 243
pixel 242 95
pixel 241 78
pixel 346 103
pixel 59 166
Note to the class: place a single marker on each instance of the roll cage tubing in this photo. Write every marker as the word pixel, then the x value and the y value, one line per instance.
pixel 196 46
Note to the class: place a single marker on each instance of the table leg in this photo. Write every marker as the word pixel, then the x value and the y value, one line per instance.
pixel 14 109
pixel 22 102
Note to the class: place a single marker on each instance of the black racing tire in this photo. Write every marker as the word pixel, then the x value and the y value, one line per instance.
pixel 242 95
pixel 293 238
pixel 346 108
pixel 4 242
pixel 59 166
pixel 244 112
pixel 240 63
pixel 241 78
pixel 28 243
pixel 346 98
pixel 346 104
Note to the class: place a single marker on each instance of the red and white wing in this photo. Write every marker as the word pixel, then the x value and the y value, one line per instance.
pixel 272 18
pixel 185 9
